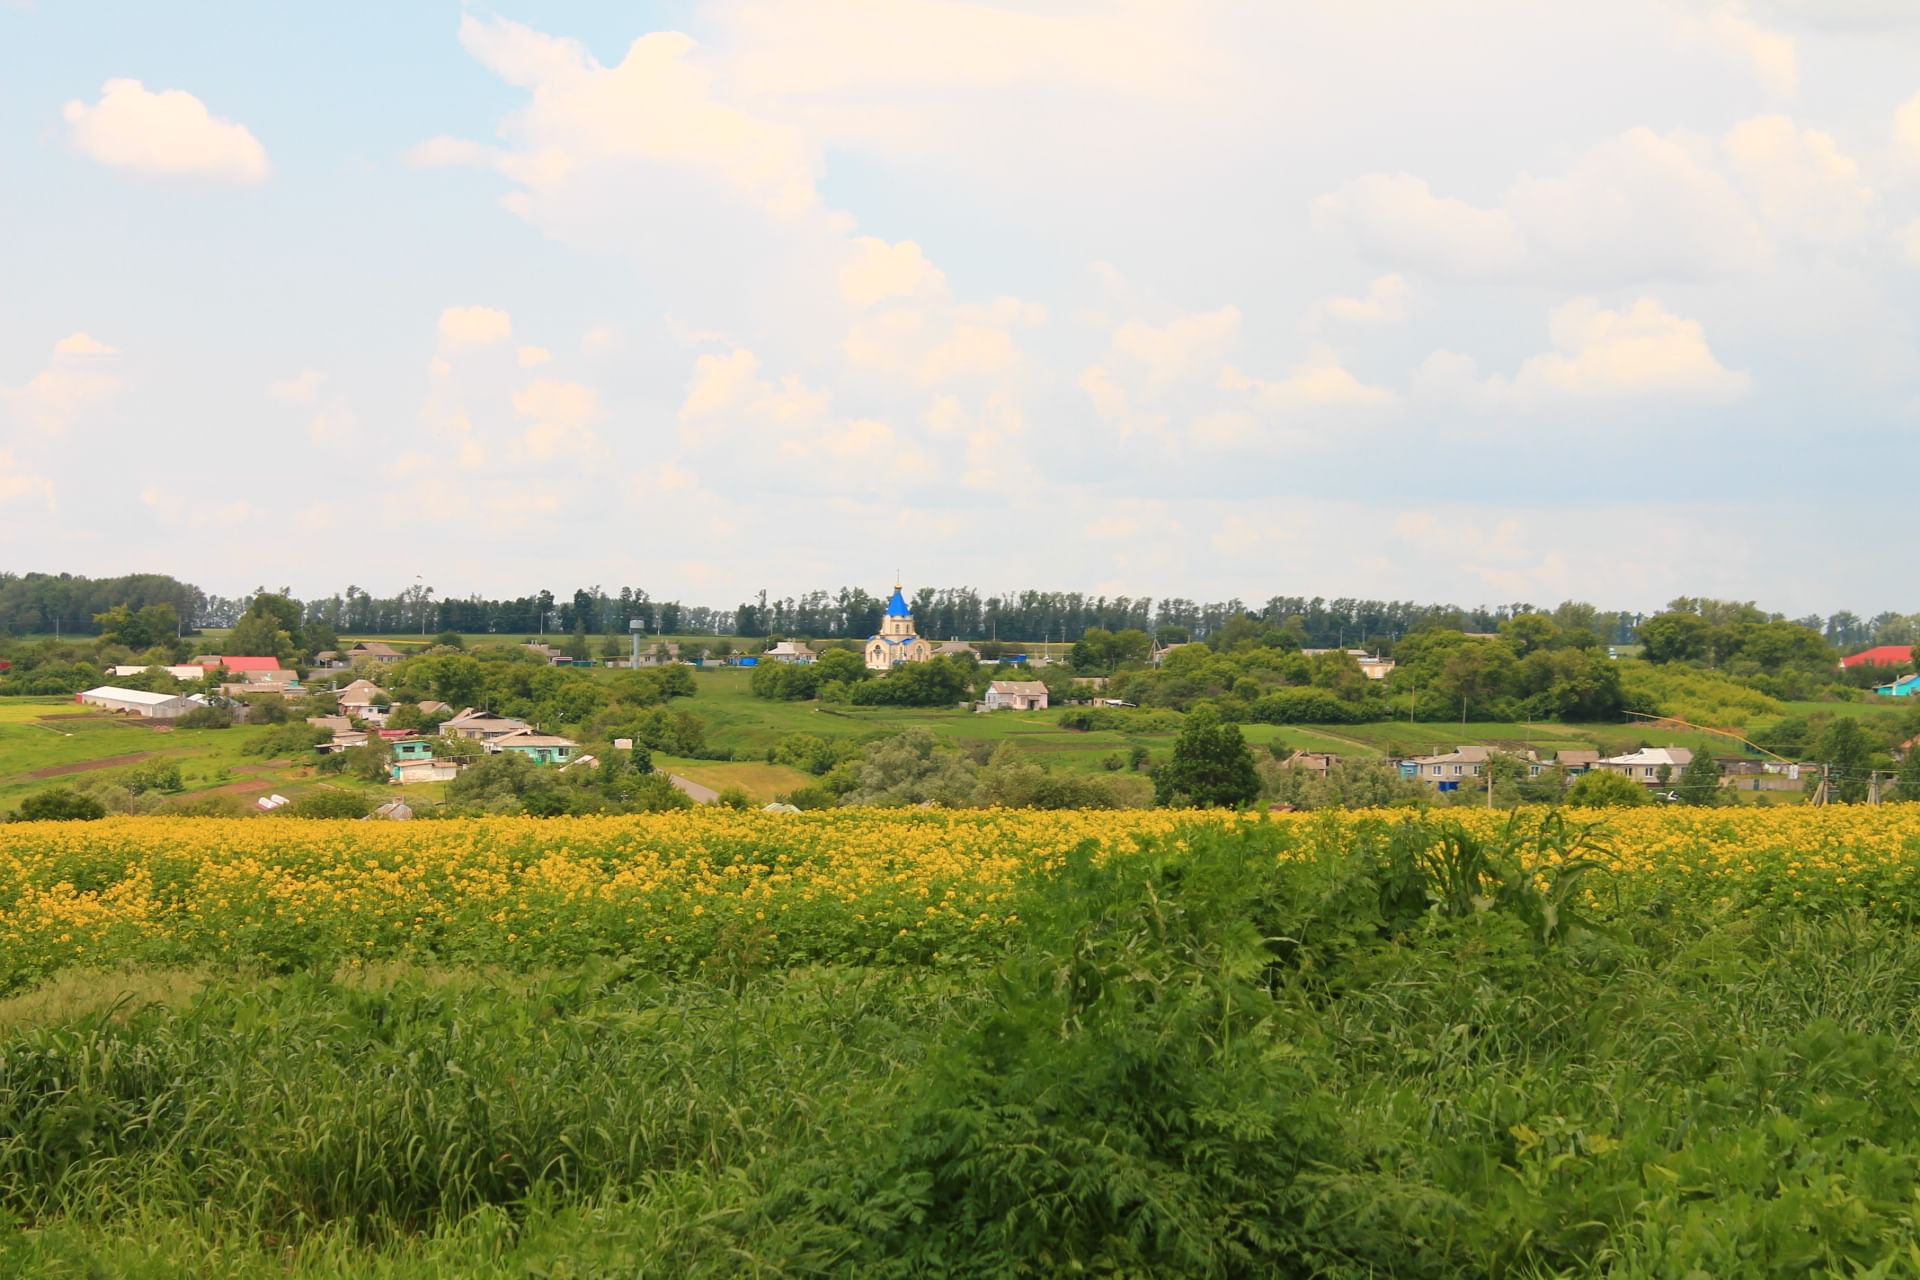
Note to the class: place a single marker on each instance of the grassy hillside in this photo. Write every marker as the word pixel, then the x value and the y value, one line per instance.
pixel 45 740
pixel 49 741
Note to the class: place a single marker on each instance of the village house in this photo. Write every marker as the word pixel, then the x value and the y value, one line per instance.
pixel 345 736
pixel 1317 763
pixel 1884 655
pixel 365 700
pixel 955 649
pixel 1445 772
pixel 413 761
pixel 246 667
pixel 1646 764
pixel 1577 761
pixel 1905 687
pixel 541 748
pixel 793 652
pixel 1016 695
pixel 1371 665
pixel 482 726
pixel 1766 775
pixel 373 651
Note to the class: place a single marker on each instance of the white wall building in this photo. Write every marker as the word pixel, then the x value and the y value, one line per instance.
pixel 154 706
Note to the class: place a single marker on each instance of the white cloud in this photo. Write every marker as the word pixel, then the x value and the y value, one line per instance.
pixel 1642 204
pixel 331 424
pixel 76 382
pixel 532 357
pixel 1906 128
pixel 81 345
pixel 879 271
pixel 19 488
pixel 932 346
pixel 1188 344
pixel 1637 205
pixel 1769 54
pixel 1397 217
pixel 1800 179
pixel 302 388
pixel 165 134
pixel 1319 382
pixel 569 405
pixel 655 107
pixel 473 327
pixel 721 383
pixel 1641 352
pixel 1109 400
pixel 1385 303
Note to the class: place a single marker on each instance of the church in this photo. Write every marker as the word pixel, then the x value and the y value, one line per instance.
pixel 896 642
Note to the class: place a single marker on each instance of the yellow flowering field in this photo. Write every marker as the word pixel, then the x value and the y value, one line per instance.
pixel 717 886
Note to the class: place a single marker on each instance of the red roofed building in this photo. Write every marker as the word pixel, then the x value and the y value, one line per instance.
pixel 238 664
pixel 1883 655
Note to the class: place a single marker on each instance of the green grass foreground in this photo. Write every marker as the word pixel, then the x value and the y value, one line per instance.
pixel 1406 1059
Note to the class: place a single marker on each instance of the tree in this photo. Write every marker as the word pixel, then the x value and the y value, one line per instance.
pixel 156 624
pixel 1847 754
pixel 1475 673
pixel 910 767
pixel 839 664
pixel 1211 767
pixel 1700 780
pixel 1527 632
pixel 576 646
pixel 1675 637
pixel 1605 789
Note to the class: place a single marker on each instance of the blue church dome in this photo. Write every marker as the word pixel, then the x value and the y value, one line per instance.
pixel 897 607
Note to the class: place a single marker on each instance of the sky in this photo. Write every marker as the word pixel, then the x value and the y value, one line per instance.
pixel 1457 300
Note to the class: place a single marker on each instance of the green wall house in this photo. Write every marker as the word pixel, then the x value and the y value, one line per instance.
pixel 541 748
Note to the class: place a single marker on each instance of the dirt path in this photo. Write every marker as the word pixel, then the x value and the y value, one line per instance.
pixel 86 766
pixel 700 794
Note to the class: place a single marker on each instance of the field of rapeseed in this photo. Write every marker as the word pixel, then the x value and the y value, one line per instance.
pixel 678 890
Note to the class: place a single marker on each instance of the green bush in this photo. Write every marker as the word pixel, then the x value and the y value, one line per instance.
pixel 330 803
pixel 59 804
pixel 1605 789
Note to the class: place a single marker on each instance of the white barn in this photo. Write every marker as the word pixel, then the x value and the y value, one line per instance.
pixel 155 706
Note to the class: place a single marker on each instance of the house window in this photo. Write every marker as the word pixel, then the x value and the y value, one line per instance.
pixel 1437 771
pixel 1648 772
pixel 1456 769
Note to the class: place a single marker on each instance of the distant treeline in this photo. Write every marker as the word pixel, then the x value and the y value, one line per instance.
pixel 65 603
pixel 40 603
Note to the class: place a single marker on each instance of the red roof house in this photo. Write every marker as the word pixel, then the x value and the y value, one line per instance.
pixel 234 663
pixel 1883 655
